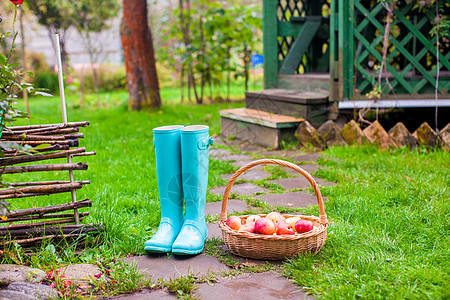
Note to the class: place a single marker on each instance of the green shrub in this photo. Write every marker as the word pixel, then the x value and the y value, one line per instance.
pixel 110 78
pixel 47 80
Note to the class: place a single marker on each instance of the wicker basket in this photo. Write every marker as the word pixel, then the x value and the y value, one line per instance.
pixel 274 247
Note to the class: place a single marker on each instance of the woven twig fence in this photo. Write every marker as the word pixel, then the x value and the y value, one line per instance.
pixel 29 227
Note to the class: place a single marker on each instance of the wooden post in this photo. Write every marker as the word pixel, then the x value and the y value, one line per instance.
pixel 270 35
pixel 343 8
pixel 332 51
pixel 351 51
pixel 64 117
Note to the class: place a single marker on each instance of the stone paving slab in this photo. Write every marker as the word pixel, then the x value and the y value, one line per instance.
pixel 310 168
pixel 233 205
pixel 235 157
pixel 35 290
pixel 173 266
pixel 294 199
pixel 299 182
pixel 266 286
pixel 214 230
pixel 147 294
pixel 252 174
pixel 242 145
pixel 306 157
pixel 249 261
pixel 240 188
pixel 81 273
pixel 241 163
pixel 247 147
pixel 218 152
pixel 10 273
pixel 282 153
pixel 13 295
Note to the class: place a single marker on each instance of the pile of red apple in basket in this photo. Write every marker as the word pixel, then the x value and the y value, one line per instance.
pixel 272 223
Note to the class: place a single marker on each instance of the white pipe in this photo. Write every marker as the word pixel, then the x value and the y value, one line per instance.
pixel 64 116
pixel 61 79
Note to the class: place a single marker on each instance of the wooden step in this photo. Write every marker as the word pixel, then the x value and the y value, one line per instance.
pixel 259 127
pixel 312 106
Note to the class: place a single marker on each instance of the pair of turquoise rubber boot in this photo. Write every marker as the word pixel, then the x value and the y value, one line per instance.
pixel 182 163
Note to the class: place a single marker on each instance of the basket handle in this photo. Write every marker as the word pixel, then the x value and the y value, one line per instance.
pixel 322 216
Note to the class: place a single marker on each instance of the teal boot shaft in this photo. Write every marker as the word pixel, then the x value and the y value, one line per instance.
pixel 195 143
pixel 168 168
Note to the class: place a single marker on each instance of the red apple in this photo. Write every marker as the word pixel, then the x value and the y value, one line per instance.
pixel 302 226
pixel 264 226
pixel 249 227
pixel 234 222
pixel 252 219
pixel 284 228
pixel 292 221
pixel 275 216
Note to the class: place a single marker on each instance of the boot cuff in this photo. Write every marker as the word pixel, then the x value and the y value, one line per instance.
pixel 194 129
pixel 167 129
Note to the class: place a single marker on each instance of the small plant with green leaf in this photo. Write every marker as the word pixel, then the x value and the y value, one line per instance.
pixel 12 83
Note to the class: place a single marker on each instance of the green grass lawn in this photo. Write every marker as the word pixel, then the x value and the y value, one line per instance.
pixel 389 236
pixel 123 173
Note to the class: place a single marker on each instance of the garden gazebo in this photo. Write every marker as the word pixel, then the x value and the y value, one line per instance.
pixel 322 58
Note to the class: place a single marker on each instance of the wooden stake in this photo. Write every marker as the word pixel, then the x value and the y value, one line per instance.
pixel 50 209
pixel 24 159
pixel 45 168
pixel 56 147
pixel 51 216
pixel 71 143
pixel 41 238
pixel 44 131
pixel 30 137
pixel 32 191
pixel 4 229
pixel 63 229
pixel 51 126
pixel 34 183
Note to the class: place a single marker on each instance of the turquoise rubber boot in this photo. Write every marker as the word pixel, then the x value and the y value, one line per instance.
pixel 195 143
pixel 168 168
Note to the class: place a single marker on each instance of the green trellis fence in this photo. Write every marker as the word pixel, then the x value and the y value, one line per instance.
pixel 345 38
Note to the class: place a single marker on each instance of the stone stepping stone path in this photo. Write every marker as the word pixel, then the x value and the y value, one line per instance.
pixel 218 152
pixel 15 273
pixel 233 205
pixel 266 285
pixel 241 163
pixel 293 200
pixel 21 282
pixel 147 294
pixel 252 174
pixel 240 188
pixel 310 168
pixel 166 267
pixel 28 291
pixel 214 230
pixel 305 157
pixel 299 182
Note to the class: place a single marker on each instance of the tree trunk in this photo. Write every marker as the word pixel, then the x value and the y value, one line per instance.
pixel 246 66
pixel 138 53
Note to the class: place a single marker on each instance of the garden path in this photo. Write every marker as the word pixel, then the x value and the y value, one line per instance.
pixel 239 277
pixel 243 285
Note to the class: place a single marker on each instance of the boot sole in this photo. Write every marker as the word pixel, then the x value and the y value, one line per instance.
pixel 186 252
pixel 157 249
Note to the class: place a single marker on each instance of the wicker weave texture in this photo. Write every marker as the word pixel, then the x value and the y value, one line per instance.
pixel 274 247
